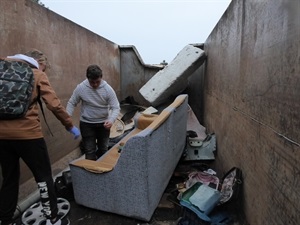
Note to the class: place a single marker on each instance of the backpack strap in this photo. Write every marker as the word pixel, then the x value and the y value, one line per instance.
pixel 42 109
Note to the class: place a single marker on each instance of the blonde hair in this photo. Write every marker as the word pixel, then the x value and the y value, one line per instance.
pixel 39 56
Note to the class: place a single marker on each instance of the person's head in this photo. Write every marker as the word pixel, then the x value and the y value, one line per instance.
pixel 40 57
pixel 94 75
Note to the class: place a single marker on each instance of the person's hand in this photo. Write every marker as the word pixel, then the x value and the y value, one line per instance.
pixel 107 124
pixel 75 131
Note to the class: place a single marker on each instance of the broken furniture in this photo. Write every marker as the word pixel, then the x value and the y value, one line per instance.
pixel 131 177
pixel 173 79
pixel 197 149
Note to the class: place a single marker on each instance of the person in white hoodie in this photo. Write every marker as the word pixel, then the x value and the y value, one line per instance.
pixel 99 110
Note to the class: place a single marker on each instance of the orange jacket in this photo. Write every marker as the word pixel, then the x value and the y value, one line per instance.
pixel 29 126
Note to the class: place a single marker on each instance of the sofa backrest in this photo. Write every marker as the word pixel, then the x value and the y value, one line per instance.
pixel 144 124
pixel 134 179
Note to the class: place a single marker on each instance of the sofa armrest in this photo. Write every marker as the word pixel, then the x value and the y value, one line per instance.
pixel 108 161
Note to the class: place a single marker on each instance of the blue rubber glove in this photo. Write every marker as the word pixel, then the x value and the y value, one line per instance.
pixel 75 131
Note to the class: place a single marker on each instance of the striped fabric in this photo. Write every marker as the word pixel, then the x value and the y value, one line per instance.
pixel 97 105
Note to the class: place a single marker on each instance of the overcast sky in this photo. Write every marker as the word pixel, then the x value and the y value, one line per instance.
pixel 159 29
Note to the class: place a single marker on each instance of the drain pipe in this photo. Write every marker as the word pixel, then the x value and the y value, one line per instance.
pixel 31 199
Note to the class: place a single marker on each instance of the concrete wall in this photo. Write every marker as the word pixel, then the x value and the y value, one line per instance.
pixel 70 49
pixel 195 89
pixel 252 103
pixel 134 73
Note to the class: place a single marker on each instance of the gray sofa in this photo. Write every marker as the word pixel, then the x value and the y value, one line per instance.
pixel 131 182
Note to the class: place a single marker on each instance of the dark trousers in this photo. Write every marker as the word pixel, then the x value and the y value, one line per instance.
pixel 95 138
pixel 35 155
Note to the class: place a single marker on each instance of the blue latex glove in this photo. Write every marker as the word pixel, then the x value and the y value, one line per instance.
pixel 75 131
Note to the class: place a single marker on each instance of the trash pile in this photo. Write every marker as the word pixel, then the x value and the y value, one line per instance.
pixel 205 198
